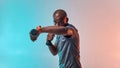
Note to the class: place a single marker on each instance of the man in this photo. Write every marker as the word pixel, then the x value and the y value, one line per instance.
pixel 67 40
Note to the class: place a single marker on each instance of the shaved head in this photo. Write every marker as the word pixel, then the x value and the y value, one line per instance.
pixel 59 16
pixel 61 13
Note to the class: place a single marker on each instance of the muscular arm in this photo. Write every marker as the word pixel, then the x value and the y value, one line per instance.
pixel 57 30
pixel 53 49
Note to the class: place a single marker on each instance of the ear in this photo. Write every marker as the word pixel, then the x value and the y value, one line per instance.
pixel 65 20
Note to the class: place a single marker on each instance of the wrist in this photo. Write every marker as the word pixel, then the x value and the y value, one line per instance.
pixel 49 43
pixel 39 29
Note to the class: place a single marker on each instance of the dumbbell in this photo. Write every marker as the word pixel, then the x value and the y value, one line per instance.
pixel 33 34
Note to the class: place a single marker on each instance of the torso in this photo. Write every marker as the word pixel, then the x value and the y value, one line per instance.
pixel 68 50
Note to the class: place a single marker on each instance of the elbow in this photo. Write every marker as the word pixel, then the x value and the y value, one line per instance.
pixel 54 54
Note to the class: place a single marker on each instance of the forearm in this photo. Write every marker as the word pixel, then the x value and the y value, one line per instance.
pixel 53 49
pixel 55 30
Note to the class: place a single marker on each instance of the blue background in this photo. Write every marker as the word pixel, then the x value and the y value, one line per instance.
pixel 17 18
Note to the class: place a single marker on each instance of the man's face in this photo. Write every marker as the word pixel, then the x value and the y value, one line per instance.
pixel 59 20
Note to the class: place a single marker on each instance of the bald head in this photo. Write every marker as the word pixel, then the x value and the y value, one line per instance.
pixel 61 13
pixel 59 16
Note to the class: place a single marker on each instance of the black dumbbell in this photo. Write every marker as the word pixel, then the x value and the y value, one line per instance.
pixel 33 34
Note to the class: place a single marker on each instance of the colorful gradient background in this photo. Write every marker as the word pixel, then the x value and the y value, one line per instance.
pixel 98 22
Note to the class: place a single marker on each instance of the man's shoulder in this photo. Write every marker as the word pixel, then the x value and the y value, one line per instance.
pixel 72 26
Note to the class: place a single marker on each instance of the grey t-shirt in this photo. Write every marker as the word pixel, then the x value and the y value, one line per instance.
pixel 68 49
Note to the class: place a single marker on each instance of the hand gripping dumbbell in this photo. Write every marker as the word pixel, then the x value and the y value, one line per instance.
pixel 34 34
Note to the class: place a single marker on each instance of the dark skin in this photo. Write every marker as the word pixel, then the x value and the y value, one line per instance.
pixel 58 29
pixel 53 49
